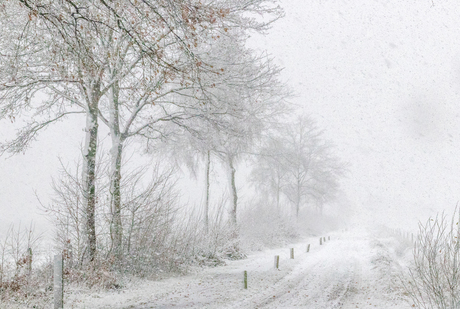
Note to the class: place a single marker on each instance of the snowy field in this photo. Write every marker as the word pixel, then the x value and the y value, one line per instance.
pixel 355 269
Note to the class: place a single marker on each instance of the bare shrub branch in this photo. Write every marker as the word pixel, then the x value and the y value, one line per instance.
pixel 434 277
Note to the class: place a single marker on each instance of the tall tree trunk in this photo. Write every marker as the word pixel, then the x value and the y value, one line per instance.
pixel 115 174
pixel 206 205
pixel 278 199
pixel 89 173
pixel 278 191
pixel 115 196
pixel 233 191
pixel 297 205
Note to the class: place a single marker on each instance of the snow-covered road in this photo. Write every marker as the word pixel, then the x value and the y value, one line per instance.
pixel 352 270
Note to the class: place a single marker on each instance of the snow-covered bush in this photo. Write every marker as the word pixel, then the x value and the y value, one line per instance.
pixel 24 276
pixel 213 245
pixel 263 225
pixel 434 276
pixel 148 214
pixel 159 235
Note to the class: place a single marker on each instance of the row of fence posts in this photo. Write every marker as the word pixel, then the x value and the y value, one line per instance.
pixel 58 282
pixel 277 260
pixel 58 286
pixel 407 236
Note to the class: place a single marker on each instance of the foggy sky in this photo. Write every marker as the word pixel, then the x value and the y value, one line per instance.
pixel 382 78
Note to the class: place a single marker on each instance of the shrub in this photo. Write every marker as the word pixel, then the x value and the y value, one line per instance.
pixel 434 276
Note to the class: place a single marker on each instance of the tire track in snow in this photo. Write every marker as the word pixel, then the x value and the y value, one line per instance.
pixel 321 279
pixel 344 274
pixel 353 270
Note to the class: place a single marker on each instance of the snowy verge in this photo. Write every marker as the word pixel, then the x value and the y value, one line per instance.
pixel 353 269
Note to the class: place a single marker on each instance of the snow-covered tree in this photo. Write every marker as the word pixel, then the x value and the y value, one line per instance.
pixel 53 67
pixel 159 97
pixel 297 161
pixel 259 102
pixel 268 173
pixel 124 63
pixel 228 108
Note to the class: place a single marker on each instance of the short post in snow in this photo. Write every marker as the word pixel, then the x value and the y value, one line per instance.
pixel 308 248
pixel 245 282
pixel 277 261
pixel 292 253
pixel 328 238
pixel 324 239
pixel 58 282
pixel 320 241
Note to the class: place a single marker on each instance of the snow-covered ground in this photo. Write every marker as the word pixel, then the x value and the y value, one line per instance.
pixel 355 269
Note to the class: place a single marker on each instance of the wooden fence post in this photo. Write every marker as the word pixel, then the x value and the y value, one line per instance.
pixel 58 282
pixel 320 241
pixel 245 279
pixel 277 261
pixel 329 238
pixel 308 248
pixel 292 253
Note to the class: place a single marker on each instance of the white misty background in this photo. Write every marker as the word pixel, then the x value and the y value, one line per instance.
pixel 379 80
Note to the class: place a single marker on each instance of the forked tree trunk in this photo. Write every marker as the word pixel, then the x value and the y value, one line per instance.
pixel 278 191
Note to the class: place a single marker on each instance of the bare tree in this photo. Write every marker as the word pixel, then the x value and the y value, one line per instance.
pixel 297 161
pixel 54 68
pixel 17 251
pixel 149 211
pixel 269 173
pixel 312 169
pixel 119 62
pixel 67 210
pixel 176 91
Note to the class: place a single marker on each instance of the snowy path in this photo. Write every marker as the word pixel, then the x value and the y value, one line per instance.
pixel 353 270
